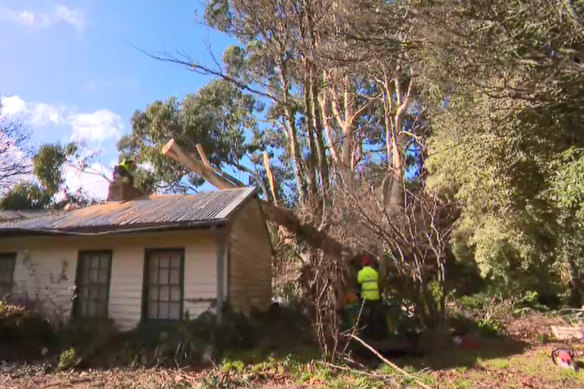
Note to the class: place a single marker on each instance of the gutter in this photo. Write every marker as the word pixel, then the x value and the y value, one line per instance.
pixel 162 227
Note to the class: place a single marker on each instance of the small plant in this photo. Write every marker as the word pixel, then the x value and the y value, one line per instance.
pixel 233 366
pixel 490 326
pixel 68 359
pixel 544 338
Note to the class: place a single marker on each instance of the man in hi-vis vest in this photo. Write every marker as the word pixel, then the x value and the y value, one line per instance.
pixel 368 278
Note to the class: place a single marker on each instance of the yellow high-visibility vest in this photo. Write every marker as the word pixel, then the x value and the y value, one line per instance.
pixel 368 277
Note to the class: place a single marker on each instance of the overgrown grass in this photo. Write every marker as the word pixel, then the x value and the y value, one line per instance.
pixel 299 369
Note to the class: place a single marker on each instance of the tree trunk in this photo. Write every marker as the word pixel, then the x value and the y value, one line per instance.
pixel 575 282
pixel 293 137
pixel 323 101
pixel 320 147
pixel 312 158
pixel 396 192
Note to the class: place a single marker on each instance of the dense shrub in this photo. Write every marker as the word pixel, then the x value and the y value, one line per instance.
pixel 83 341
pixel 94 342
pixel 24 334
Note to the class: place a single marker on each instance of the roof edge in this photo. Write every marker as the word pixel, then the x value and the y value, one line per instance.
pixel 241 199
pixel 110 231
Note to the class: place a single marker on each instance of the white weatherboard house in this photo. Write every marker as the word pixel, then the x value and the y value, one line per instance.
pixel 152 258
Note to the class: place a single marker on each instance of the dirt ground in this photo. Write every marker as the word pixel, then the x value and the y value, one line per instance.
pixel 520 361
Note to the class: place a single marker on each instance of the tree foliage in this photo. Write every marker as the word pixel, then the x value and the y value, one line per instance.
pixel 513 101
pixel 472 106
pixel 50 191
pixel 49 163
pixel 217 117
pixel 25 196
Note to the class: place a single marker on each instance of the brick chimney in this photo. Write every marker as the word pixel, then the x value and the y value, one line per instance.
pixel 122 191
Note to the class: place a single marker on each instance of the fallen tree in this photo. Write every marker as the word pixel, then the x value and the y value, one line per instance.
pixel 279 215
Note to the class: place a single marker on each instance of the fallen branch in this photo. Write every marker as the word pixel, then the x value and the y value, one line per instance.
pixel 281 216
pixel 387 361
pixel 202 155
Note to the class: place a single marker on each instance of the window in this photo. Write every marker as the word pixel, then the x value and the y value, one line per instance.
pixel 93 279
pixel 7 262
pixel 163 283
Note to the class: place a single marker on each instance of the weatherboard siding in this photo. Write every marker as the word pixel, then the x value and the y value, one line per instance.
pixel 54 260
pixel 45 279
pixel 250 278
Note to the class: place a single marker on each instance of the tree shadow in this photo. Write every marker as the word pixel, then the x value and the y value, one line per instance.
pixel 456 357
pixel 438 351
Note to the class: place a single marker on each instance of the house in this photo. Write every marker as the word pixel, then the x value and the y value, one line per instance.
pixel 151 258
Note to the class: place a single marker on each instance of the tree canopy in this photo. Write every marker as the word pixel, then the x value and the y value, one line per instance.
pixel 49 190
pixel 388 122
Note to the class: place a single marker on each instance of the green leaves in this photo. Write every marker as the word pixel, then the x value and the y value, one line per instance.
pixel 218 117
pixel 218 15
pixel 25 195
pixel 49 162
pixel 48 167
pixel 501 146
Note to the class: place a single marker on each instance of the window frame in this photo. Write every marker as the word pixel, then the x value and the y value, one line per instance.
pixel 12 256
pixel 78 273
pixel 145 287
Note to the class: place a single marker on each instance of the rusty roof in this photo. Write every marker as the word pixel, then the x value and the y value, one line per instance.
pixel 154 212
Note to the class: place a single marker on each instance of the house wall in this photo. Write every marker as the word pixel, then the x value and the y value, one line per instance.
pixel 45 270
pixel 249 265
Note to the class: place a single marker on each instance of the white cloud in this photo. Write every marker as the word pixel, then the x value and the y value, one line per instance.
pixel 73 17
pixel 94 126
pixel 36 19
pixel 13 106
pixel 36 114
pixel 97 126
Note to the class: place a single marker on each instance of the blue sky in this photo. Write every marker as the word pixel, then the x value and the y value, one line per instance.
pixel 69 69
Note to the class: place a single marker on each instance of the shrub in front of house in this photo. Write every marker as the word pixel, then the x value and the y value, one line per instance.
pixel 24 333
pixel 94 342
pixel 187 342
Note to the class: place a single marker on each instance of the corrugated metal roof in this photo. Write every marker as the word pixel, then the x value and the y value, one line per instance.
pixel 17 215
pixel 168 211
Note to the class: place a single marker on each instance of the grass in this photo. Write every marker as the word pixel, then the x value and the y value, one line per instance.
pixel 530 368
pixel 303 367
pixel 464 383
pixel 498 363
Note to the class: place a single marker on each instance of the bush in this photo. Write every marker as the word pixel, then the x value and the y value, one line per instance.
pixel 23 333
pixel 87 337
pixel 180 343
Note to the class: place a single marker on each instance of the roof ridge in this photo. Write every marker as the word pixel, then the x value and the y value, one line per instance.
pixel 196 194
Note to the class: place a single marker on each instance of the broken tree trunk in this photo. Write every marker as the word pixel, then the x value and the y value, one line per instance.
pixel 271 179
pixel 281 216
pixel 172 150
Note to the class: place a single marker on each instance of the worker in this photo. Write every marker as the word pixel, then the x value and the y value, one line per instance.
pixel 368 278
pixel 124 171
